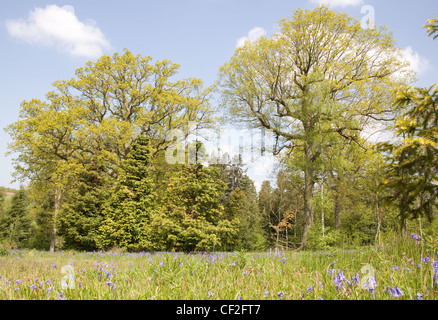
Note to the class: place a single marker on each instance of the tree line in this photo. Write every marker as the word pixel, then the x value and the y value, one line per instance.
pixel 93 153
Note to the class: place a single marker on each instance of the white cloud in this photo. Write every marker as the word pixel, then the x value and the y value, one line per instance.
pixel 338 3
pixel 59 27
pixel 253 35
pixel 417 63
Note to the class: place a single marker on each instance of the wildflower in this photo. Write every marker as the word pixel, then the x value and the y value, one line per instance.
pixel 211 294
pixel 370 285
pixel 265 294
pixel 416 237
pixel 426 260
pixel 61 295
pixel 280 295
pixel 419 296
pixel 396 292
pixel 355 279
pixel 435 269
pixel 394 268
pixel 339 279
pixel 32 287
pixel 18 281
pixel 161 263
pixel 54 266
pixel 331 271
pixel 309 289
pixel 111 284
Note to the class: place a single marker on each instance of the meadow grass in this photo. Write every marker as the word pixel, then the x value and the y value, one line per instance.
pixel 402 270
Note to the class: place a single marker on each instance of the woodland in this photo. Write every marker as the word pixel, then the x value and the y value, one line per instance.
pixel 92 158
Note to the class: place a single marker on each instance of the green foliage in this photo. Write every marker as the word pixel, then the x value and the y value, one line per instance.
pixel 298 84
pixel 15 224
pixel 126 217
pixel 192 204
pixel 245 209
pixel 82 212
pixel 411 173
pixel 317 241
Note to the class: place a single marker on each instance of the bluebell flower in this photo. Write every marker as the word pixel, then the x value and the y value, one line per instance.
pixel 396 292
pixel 419 296
pixel 32 287
pixel 355 279
pixel 426 260
pixel 370 285
pixel 280 294
pixel 416 237
pixel 394 268
pixel 339 278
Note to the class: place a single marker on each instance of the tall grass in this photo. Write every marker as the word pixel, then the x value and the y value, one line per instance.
pixel 402 270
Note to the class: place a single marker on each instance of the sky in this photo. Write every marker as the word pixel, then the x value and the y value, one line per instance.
pixel 45 41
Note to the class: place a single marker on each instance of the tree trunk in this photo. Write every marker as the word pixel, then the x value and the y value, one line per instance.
pixel 337 208
pixel 379 222
pixel 308 209
pixel 55 214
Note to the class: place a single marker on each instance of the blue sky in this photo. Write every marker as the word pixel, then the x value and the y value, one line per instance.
pixel 40 43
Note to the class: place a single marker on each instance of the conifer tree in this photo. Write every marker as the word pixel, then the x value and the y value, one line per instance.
pixel 127 215
pixel 15 224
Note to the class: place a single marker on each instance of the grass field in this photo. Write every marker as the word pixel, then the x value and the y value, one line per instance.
pixel 403 270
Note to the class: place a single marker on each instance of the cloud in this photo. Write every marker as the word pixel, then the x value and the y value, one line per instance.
pixel 417 63
pixel 338 3
pixel 59 27
pixel 253 35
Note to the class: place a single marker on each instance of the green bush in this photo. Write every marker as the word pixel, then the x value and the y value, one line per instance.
pixel 315 240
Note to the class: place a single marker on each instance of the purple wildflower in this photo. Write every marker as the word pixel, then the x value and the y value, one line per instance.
pixel 280 295
pixel 419 296
pixel 339 278
pixel 355 279
pixel 211 294
pixel 111 284
pixel 416 237
pixel 396 292
pixel 32 287
pixel 426 260
pixel 370 284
